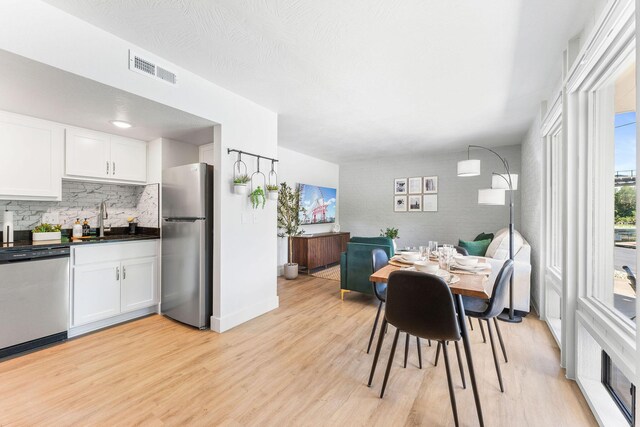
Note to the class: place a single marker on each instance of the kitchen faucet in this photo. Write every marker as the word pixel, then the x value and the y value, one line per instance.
pixel 101 217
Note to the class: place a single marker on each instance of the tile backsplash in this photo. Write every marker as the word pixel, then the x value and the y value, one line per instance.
pixel 82 200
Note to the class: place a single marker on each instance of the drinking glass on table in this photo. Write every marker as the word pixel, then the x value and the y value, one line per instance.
pixel 424 252
pixel 433 248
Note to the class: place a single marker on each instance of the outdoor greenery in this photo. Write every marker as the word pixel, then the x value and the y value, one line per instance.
pixel 289 214
pixel 390 232
pixel 258 198
pixel 625 206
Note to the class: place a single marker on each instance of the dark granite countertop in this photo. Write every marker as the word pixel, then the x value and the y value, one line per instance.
pixel 22 243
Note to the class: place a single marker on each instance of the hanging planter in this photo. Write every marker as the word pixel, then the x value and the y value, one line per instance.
pixel 240 178
pixel 257 195
pixel 272 186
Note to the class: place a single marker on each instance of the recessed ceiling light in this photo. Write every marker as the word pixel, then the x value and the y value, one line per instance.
pixel 120 124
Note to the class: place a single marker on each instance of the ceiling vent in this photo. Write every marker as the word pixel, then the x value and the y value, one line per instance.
pixel 149 67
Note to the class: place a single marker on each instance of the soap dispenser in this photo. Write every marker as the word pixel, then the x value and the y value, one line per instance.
pixel 77 229
pixel 86 230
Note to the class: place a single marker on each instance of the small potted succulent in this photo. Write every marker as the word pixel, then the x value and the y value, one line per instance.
pixel 272 192
pixel 240 184
pixel 391 233
pixel 44 232
pixel 258 198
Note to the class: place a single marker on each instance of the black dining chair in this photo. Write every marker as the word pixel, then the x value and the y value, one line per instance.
pixel 488 310
pixel 380 259
pixel 421 305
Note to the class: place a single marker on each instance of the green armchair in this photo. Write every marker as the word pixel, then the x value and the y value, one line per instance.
pixel 355 263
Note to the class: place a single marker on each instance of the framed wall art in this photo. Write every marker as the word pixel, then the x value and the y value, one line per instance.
pixel 400 186
pixel 400 204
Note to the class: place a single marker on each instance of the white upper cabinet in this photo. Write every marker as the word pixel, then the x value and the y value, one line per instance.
pixel 91 155
pixel 30 158
pixel 128 159
pixel 87 153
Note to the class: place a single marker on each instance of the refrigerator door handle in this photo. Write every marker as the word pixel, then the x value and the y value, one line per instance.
pixel 182 219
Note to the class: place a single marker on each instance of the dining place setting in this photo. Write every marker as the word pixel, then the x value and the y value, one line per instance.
pixel 428 292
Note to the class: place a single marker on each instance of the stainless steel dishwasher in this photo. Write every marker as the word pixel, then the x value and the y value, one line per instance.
pixel 34 298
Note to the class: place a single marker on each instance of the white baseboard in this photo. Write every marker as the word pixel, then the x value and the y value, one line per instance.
pixel 104 323
pixel 221 324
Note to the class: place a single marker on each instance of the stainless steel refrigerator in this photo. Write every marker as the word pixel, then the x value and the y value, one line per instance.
pixel 187 243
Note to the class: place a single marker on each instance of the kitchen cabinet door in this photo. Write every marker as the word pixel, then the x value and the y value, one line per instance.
pixel 139 284
pixel 87 154
pixel 30 158
pixel 128 159
pixel 96 292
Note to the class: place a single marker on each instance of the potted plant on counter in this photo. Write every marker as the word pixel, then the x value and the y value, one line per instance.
pixel 258 198
pixel 45 232
pixel 272 192
pixel 391 233
pixel 240 184
pixel 289 223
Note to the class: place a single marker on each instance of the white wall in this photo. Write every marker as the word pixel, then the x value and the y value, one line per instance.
pixel 531 188
pixel 367 197
pixel 296 168
pixel 176 153
pixel 73 45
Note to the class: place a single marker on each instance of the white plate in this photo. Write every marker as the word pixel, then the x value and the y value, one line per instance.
pixel 478 267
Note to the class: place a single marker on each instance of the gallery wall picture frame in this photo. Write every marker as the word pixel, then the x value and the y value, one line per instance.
pixel 430 203
pixel 415 203
pixel 430 185
pixel 415 185
pixel 400 204
pixel 400 186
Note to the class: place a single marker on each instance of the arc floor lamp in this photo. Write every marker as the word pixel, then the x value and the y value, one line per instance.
pixel 500 183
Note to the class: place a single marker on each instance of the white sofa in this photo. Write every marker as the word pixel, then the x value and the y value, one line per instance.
pixel 497 253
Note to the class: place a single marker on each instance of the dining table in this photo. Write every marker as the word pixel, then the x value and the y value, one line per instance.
pixel 470 284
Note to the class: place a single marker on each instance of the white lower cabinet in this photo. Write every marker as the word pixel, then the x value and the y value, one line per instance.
pixel 138 284
pixel 111 281
pixel 96 292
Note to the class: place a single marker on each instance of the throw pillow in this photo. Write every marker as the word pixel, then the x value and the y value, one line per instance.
pixel 483 236
pixel 499 247
pixel 476 248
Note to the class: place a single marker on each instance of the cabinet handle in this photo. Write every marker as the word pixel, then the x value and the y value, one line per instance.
pixel 117 273
pixel 124 273
pixel 114 168
pixel 107 167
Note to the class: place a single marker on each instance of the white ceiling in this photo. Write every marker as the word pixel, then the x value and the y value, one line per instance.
pixel 39 90
pixel 364 78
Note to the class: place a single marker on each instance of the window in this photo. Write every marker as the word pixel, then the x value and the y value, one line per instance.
pixel 614 198
pixel 620 388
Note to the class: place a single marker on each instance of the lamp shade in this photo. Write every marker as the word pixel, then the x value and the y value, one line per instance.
pixel 500 181
pixel 469 168
pixel 490 196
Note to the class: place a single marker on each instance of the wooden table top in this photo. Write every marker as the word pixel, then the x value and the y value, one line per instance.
pixel 470 285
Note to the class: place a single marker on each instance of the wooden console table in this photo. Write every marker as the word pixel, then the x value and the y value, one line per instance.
pixel 319 250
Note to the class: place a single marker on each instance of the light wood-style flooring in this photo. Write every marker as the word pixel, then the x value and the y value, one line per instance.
pixel 302 364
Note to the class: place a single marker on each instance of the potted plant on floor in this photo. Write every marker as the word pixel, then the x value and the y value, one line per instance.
pixel 289 223
pixel 391 233
pixel 240 184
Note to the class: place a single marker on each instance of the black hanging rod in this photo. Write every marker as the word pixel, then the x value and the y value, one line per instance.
pixel 232 150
